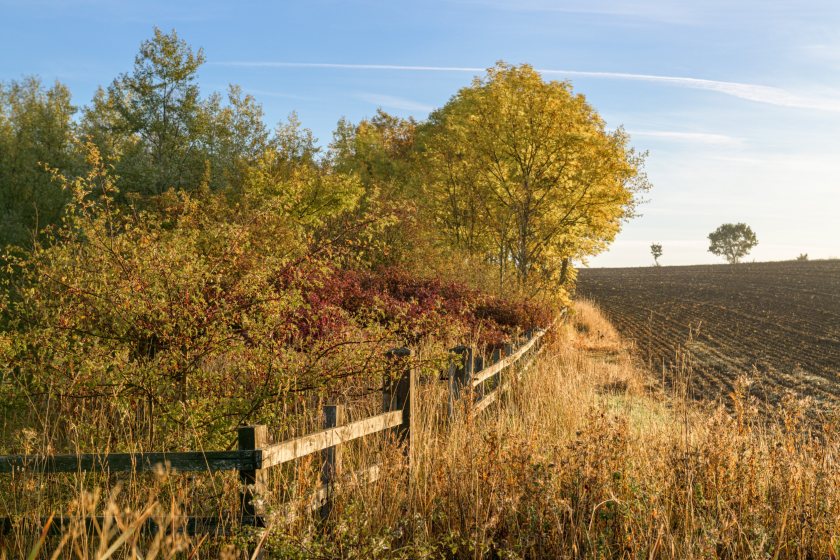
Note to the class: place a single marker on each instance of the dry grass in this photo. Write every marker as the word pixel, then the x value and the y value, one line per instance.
pixel 593 332
pixel 587 460
pixel 584 458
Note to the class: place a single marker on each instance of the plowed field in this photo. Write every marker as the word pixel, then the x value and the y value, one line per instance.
pixel 777 322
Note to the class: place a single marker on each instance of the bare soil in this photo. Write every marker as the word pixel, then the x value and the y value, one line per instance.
pixel 778 323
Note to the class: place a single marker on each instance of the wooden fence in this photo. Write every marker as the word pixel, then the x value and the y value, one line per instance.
pixel 469 382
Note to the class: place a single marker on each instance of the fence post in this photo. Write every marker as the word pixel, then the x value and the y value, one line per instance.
pixel 477 366
pixel 497 355
pixel 513 369
pixel 331 456
pixel 397 393
pixel 460 371
pixel 253 480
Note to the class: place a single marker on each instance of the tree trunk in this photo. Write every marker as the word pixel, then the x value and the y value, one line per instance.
pixel 564 271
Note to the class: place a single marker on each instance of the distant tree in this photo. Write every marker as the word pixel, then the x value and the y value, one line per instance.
pixel 732 241
pixel 802 257
pixel 379 150
pixel 232 137
pixel 656 251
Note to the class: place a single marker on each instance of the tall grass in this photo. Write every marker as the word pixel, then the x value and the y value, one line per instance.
pixel 589 458
pixel 586 457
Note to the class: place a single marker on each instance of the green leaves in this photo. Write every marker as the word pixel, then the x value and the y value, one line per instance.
pixel 288 180
pixel 656 252
pixel 732 241
pixel 35 130
pixel 155 128
pixel 179 289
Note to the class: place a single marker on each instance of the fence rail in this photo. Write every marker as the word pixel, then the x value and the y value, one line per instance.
pixel 255 454
pixel 286 451
pixel 189 461
pixel 496 368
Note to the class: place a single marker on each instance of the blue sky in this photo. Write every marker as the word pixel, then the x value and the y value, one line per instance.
pixel 738 102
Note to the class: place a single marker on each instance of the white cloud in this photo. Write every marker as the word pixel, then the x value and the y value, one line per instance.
pixel 392 102
pixel 751 92
pixel 699 137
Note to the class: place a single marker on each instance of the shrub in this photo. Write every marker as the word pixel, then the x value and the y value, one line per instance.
pixel 170 328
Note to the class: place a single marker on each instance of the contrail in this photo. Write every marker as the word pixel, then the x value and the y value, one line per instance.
pixel 257 64
pixel 751 92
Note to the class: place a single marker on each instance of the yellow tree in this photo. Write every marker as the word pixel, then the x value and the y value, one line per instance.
pixel 289 178
pixel 529 169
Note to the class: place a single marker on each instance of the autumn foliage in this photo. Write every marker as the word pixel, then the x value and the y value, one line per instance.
pixel 142 312
pixel 172 269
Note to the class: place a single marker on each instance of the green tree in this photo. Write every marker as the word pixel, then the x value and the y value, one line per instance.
pixel 525 172
pixel 232 136
pixel 155 110
pixel 656 251
pixel 157 131
pixel 380 151
pixel 36 129
pixel 732 241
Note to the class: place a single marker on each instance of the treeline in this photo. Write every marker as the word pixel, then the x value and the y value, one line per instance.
pixel 512 171
pixel 173 267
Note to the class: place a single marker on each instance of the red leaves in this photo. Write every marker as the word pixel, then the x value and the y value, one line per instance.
pixel 416 308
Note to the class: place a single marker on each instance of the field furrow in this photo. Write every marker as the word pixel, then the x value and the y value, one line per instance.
pixel 776 323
